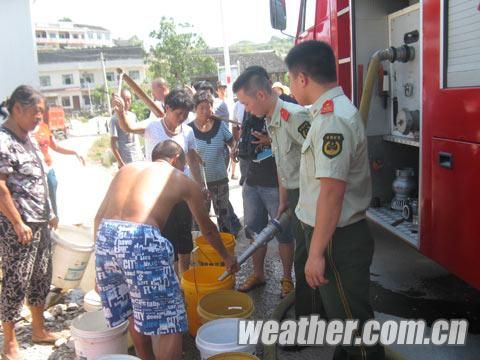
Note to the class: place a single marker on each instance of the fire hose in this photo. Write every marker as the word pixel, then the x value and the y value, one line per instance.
pixel 403 53
pixel 274 227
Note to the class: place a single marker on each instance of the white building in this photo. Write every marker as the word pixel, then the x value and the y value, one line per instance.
pixel 66 34
pixel 68 77
pixel 18 62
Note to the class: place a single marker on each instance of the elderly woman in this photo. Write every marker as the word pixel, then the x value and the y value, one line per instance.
pixel 25 218
pixel 211 137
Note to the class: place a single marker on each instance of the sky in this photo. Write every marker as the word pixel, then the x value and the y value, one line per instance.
pixel 244 19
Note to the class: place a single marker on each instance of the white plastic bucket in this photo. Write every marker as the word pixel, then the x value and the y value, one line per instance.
pixel 72 249
pixel 92 301
pixel 93 337
pixel 220 336
pixel 88 279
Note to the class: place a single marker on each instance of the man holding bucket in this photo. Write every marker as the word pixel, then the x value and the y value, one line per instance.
pixel 134 262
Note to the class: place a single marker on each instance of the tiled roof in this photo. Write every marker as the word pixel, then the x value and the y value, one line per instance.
pixel 90 54
pixel 272 62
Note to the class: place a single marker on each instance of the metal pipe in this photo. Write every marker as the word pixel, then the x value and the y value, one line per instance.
pixel 403 53
pixel 274 227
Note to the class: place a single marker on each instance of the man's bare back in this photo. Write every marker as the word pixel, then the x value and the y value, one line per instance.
pixel 145 193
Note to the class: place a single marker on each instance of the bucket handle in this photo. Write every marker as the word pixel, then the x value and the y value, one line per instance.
pixel 195 274
pixel 194 251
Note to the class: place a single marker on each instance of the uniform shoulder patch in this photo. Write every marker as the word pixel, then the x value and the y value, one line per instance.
pixel 332 145
pixel 303 129
pixel 284 114
pixel 327 107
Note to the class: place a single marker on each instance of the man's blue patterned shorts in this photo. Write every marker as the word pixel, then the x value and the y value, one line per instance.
pixel 135 274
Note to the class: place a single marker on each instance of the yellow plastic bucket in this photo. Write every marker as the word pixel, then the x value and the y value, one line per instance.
pixel 206 255
pixel 233 356
pixel 197 282
pixel 225 304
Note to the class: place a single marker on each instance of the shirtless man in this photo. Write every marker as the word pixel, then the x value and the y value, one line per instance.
pixel 134 262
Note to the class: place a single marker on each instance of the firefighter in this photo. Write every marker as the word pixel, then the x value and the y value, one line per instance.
pixel 335 191
pixel 287 126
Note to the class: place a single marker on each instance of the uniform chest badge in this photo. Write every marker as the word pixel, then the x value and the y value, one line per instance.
pixel 327 107
pixel 284 114
pixel 332 145
pixel 303 129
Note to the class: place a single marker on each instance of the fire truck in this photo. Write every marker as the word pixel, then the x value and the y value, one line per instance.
pixel 417 65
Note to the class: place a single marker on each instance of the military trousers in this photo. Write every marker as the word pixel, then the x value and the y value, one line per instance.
pixel 347 295
pixel 307 300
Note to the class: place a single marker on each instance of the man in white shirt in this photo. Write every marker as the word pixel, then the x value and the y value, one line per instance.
pixel 160 90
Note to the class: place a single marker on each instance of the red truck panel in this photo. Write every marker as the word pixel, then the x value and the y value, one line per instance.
pixel 449 199
pixel 455 208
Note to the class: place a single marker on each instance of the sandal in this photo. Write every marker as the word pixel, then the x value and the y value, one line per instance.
pixel 287 287
pixel 251 283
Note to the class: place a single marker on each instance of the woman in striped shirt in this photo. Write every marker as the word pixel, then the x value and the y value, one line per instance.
pixel 211 136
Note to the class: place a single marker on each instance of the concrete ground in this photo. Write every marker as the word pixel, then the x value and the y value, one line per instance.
pixel 405 284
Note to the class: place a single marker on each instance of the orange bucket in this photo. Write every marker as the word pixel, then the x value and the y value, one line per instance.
pixel 197 282
pixel 206 255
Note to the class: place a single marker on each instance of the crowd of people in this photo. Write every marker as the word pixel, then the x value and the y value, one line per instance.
pixel 310 161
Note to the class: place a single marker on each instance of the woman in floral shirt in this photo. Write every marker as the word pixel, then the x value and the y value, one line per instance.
pixel 25 218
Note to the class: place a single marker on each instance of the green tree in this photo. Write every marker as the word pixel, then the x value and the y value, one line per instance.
pixel 139 108
pixel 98 96
pixel 179 53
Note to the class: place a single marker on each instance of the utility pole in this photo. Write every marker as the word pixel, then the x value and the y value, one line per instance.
pixel 226 55
pixel 102 60
pixel 90 98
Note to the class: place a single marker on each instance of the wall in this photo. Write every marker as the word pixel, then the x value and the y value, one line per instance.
pixel 18 63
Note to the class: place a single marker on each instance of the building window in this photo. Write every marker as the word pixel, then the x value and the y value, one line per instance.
pixel 45 80
pixel 110 76
pixel 67 79
pixel 86 100
pixel 64 35
pixel 99 36
pixel 41 34
pixel 87 78
pixel 66 101
pixel 90 35
pixel 134 74
pixel 51 100
pixel 75 36
pixel 107 36
pixel 52 35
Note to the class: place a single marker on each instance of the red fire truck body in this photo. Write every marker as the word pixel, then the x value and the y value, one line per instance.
pixel 441 87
